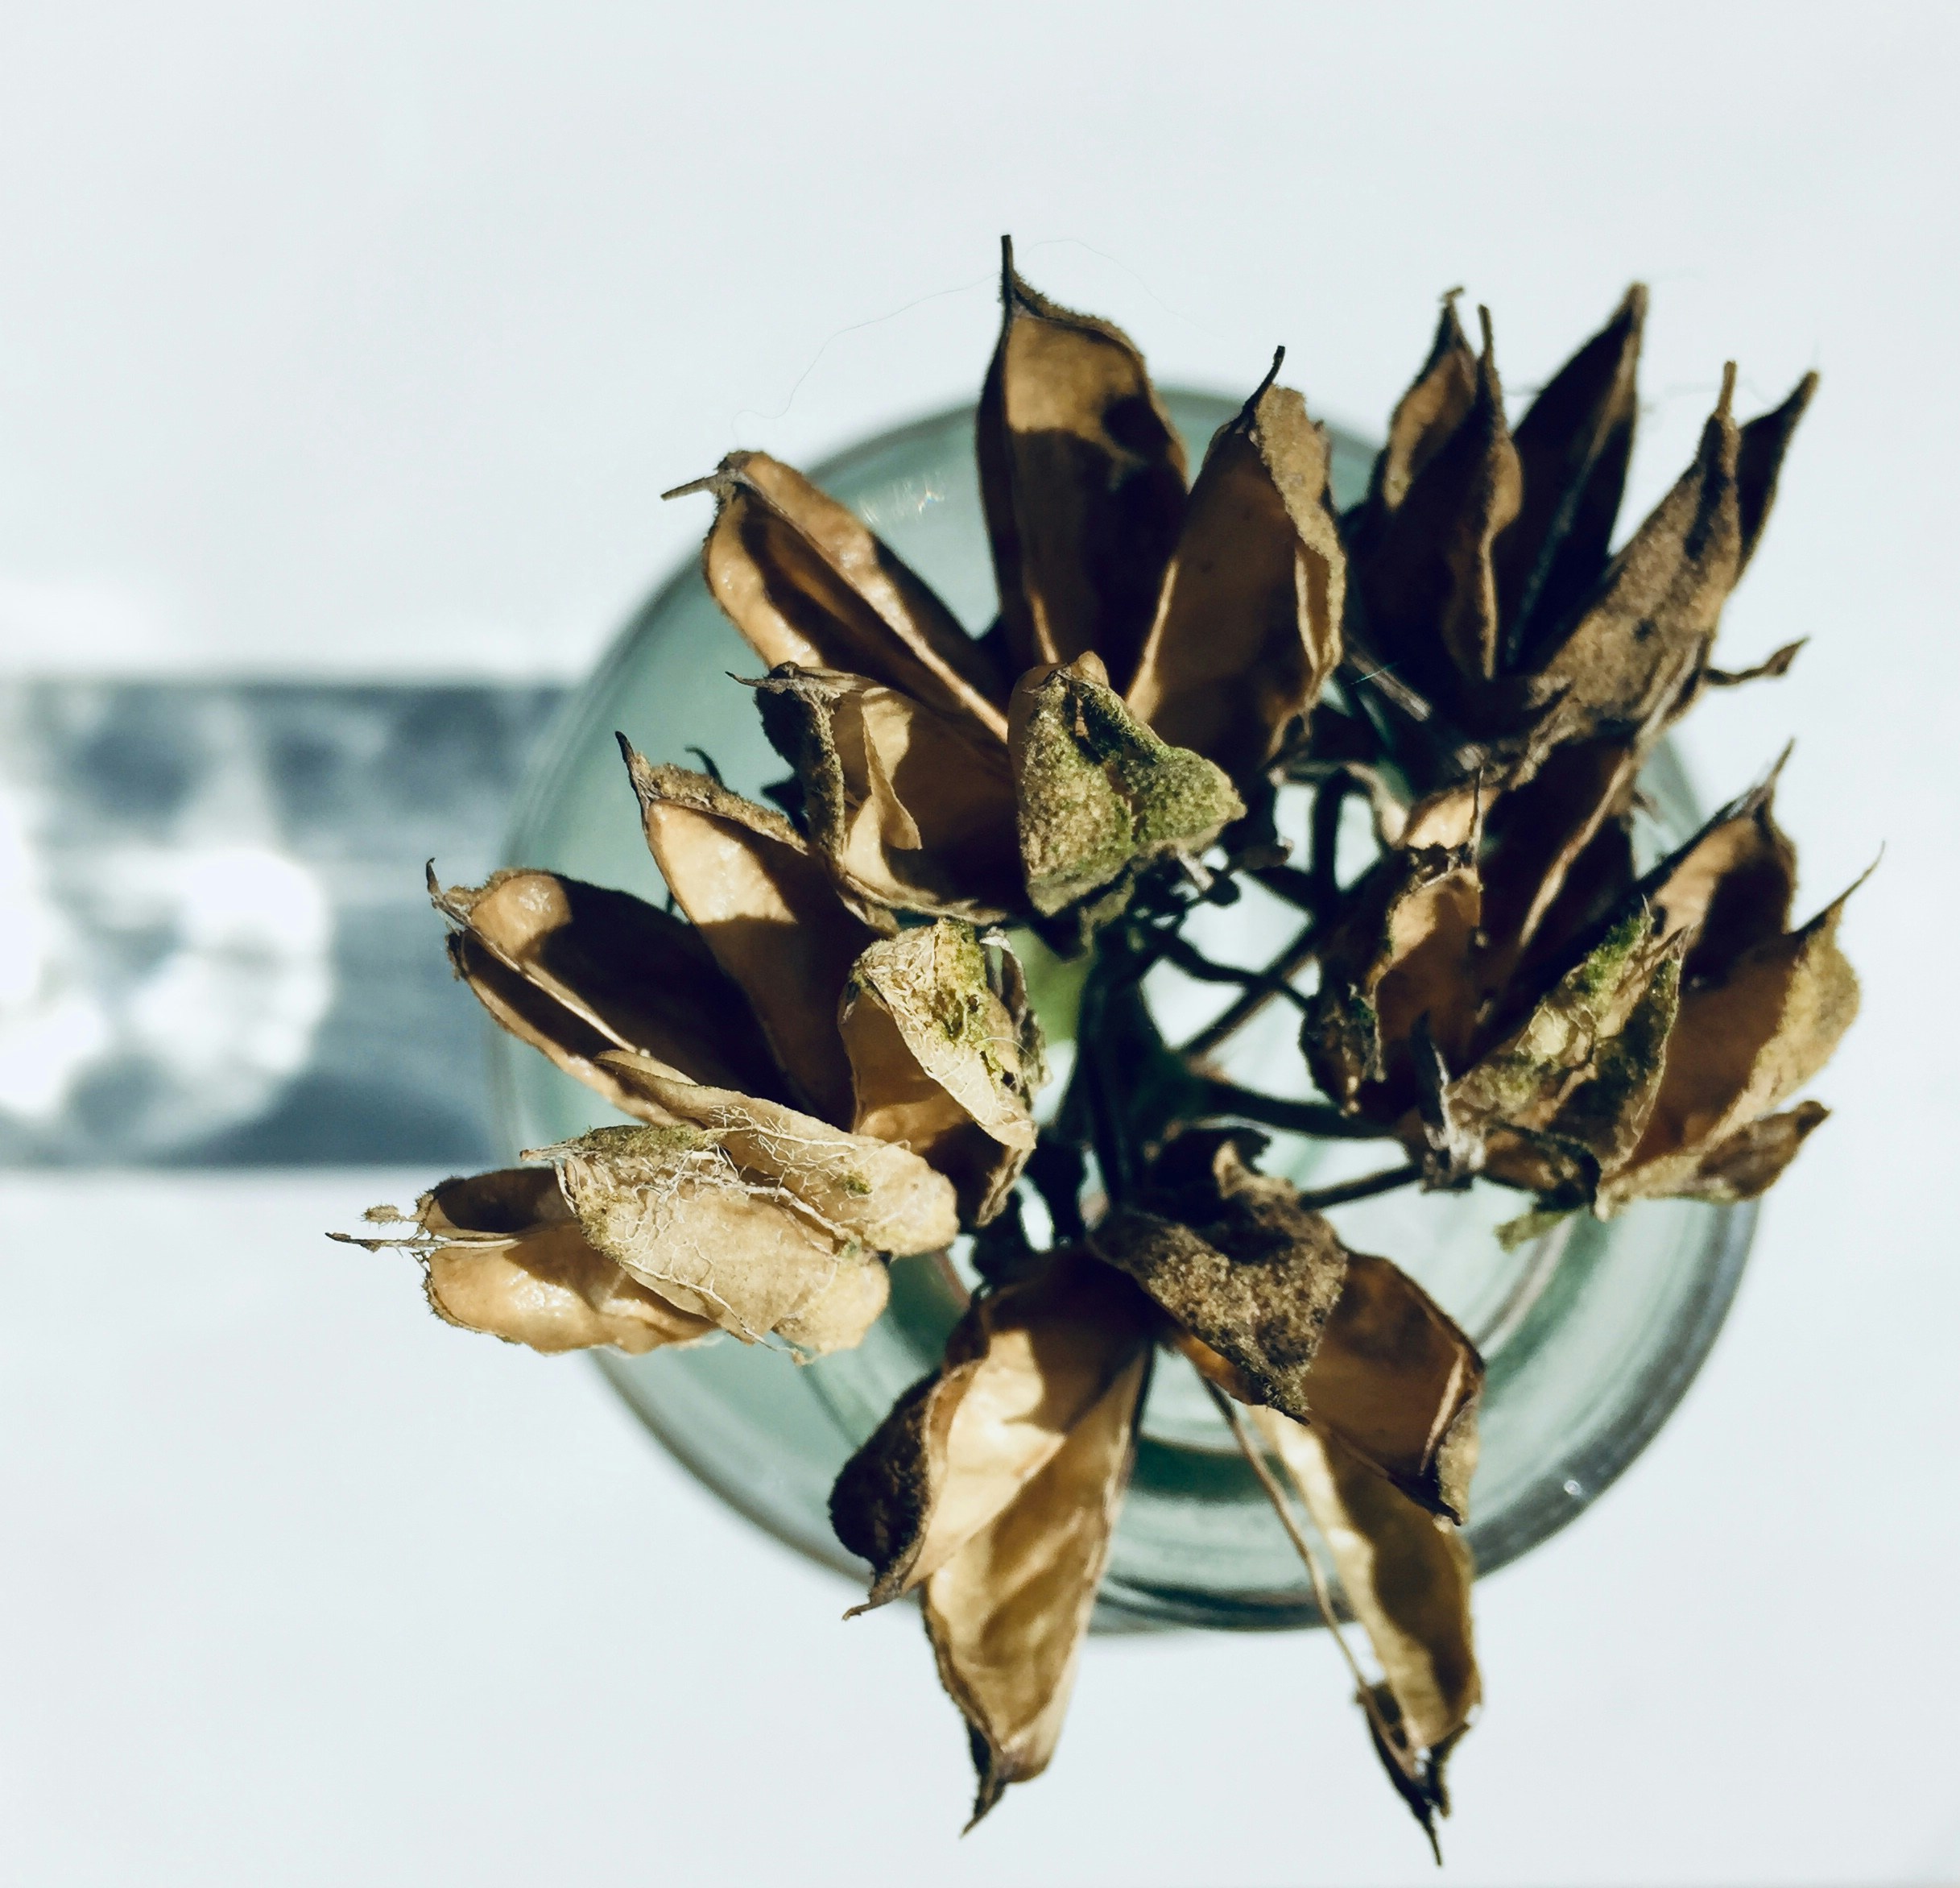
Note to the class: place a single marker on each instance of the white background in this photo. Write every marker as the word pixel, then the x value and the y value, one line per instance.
pixel 356 339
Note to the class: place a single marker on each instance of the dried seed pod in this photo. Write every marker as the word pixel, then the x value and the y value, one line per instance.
pixel 1082 477
pixel 1422 543
pixel 1264 1312
pixel 942 1060
pixel 1406 1575
pixel 1099 794
pixel 1284 1315
pixel 1731 886
pixel 502 1253
pixel 912 809
pixel 1635 650
pixel 672 1207
pixel 575 970
pixel 1248 627
pixel 1759 467
pixel 1573 446
pixel 1428 415
pixel 767 910
pixel 1007 1615
pixel 995 1485
pixel 887 1198
pixel 1748 1038
pixel 1577 1081
pixel 1396 1382
pixel 1400 953
pixel 807 582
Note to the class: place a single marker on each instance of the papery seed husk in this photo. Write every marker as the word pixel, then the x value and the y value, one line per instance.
pixel 1098 793
pixel 1636 649
pixel 1600 1116
pixel 1742 1046
pixel 671 1207
pixel 1082 477
pixel 576 969
pixel 503 1254
pixel 911 808
pixel 864 1189
pixel 1428 414
pixel 1397 1382
pixel 1023 1368
pixel 807 582
pixel 1249 625
pixel 1743 1166
pixel 1265 1309
pixel 1758 468
pixel 1423 562
pixel 1526 1080
pixel 767 910
pixel 1401 952
pixel 1405 1573
pixel 938 1057
pixel 1731 886
pixel 1574 445
pixel 1007 1613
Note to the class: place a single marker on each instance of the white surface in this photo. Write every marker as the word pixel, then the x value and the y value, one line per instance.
pixel 336 339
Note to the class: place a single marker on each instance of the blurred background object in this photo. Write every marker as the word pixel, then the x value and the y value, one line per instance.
pixel 217 950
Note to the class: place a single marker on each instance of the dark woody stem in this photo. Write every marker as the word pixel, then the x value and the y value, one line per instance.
pixel 1114 1154
pixel 1319 1118
pixel 1243 1009
pixel 1195 965
pixel 1385 1182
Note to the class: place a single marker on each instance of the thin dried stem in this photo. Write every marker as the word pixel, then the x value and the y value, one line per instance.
pixel 1290 961
pixel 1365 1188
pixel 1320 1118
pixel 1364 1691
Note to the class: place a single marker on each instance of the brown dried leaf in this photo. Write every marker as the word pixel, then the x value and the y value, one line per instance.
pixel 767 910
pixel 1405 1573
pixel 941 1063
pixel 1759 466
pixel 807 582
pixel 912 809
pixel 1397 1383
pixel 1636 648
pixel 671 1207
pixel 1731 886
pixel 1023 1368
pixel 575 970
pixel 1249 624
pixel 501 1253
pixel 1744 1043
pixel 885 1197
pixel 1099 794
pixel 1751 1160
pixel 1422 544
pixel 1572 449
pixel 1428 416
pixel 1773 666
pixel 1083 480
pixel 1402 952
pixel 1008 1613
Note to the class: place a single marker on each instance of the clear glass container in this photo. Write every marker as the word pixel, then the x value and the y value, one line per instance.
pixel 1591 1333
